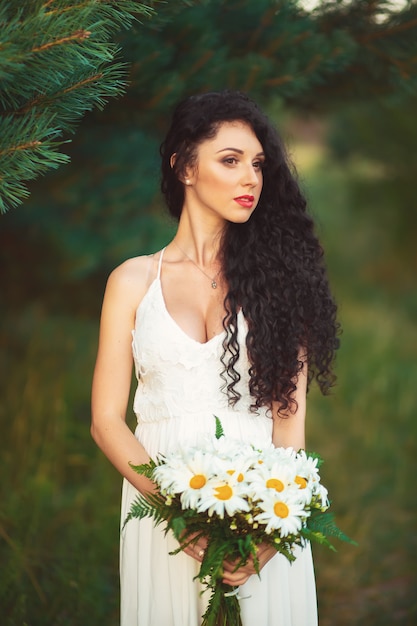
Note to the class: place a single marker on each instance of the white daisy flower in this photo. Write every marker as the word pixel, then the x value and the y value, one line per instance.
pixel 307 467
pixel 164 474
pixel 287 455
pixel 308 477
pixel 228 449
pixel 225 496
pixel 281 512
pixel 304 493
pixel 277 477
pixel 187 476
pixel 235 470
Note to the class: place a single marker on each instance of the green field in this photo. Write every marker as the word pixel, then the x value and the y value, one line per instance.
pixel 60 497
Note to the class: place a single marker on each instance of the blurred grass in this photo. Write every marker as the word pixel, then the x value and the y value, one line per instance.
pixel 59 502
pixel 59 497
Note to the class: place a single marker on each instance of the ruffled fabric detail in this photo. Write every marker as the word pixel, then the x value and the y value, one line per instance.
pixel 176 374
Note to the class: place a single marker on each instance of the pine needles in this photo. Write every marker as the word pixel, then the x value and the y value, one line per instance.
pixel 57 61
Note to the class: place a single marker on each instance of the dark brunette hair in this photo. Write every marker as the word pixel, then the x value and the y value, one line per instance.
pixel 273 263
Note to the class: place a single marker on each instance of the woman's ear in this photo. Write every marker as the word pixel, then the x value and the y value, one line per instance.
pixel 186 177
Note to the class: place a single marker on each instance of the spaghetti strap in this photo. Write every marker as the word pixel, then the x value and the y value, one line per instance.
pixel 148 274
pixel 160 263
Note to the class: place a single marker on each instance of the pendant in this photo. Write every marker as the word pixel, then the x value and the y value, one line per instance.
pixel 214 284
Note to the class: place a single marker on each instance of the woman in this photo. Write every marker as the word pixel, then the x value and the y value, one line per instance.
pixel 233 318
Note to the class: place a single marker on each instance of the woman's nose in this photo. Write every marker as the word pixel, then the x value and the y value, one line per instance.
pixel 251 176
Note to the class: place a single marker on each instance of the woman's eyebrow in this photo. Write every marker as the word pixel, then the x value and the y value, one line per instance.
pixel 239 151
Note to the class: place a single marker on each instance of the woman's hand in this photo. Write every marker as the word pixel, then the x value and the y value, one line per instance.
pixel 196 549
pixel 264 553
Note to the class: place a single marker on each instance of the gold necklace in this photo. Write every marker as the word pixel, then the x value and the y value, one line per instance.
pixel 213 280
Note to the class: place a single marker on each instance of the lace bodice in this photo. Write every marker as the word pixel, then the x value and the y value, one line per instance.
pixel 175 372
pixel 178 377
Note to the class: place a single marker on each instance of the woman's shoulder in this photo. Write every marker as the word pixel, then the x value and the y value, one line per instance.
pixel 134 268
pixel 131 279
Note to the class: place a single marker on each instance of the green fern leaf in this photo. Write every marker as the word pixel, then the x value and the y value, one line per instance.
pixel 212 564
pixel 152 505
pixel 178 526
pixel 219 428
pixel 324 524
pixel 145 469
pixel 317 537
pixel 315 455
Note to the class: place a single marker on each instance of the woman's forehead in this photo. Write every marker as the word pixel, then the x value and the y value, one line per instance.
pixel 235 134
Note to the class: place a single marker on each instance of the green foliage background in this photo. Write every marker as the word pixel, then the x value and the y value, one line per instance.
pixel 341 86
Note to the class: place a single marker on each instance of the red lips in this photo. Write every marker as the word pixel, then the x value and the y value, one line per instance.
pixel 245 201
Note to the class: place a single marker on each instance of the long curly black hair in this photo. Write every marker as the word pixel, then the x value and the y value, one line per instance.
pixel 273 263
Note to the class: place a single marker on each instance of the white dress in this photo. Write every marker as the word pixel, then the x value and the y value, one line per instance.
pixel 178 393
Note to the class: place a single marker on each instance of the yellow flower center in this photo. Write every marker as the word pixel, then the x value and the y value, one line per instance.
pixel 225 492
pixel 197 481
pixel 275 483
pixel 240 475
pixel 301 482
pixel 281 509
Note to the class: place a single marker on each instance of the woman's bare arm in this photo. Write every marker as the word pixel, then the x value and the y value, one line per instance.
pixel 113 371
pixel 289 427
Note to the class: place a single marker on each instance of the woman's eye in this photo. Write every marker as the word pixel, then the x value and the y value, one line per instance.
pixel 230 160
pixel 258 165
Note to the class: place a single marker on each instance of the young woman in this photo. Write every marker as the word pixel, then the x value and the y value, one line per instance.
pixel 233 318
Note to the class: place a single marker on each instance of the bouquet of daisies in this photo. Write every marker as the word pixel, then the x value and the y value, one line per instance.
pixel 237 497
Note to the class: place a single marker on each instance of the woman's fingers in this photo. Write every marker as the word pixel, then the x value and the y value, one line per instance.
pixel 230 567
pixel 196 549
pixel 233 576
pixel 235 580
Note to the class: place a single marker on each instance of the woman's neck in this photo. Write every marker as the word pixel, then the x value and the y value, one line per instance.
pixel 199 238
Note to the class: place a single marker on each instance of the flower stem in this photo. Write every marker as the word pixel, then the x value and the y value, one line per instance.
pixel 222 610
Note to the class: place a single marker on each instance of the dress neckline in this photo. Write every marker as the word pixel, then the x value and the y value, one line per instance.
pixel 157 283
pixel 172 320
pixel 178 327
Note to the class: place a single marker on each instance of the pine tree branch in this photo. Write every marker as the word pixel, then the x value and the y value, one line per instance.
pixel 388 32
pixel 279 80
pixel 29 145
pixel 267 20
pixel 79 35
pixel 43 100
pixel 402 66
pixel 199 64
pixel 57 61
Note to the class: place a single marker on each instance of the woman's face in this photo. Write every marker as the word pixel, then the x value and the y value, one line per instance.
pixel 226 181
